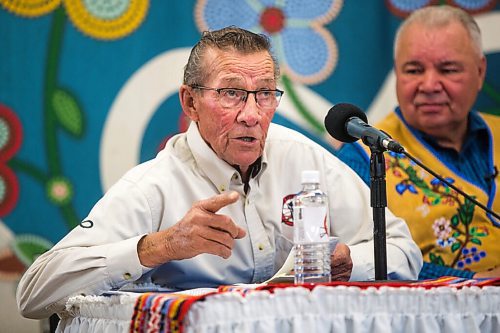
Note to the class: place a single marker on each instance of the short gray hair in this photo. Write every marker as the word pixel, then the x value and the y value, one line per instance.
pixel 439 16
pixel 226 39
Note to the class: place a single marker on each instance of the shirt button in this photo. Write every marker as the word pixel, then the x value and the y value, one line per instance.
pixel 222 188
pixel 127 276
pixel 261 247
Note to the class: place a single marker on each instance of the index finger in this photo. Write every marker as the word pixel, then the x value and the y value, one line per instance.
pixel 215 203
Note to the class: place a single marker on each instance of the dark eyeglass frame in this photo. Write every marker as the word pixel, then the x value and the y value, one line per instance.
pixel 277 93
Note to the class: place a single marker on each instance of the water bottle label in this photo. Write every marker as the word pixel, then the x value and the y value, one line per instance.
pixel 310 225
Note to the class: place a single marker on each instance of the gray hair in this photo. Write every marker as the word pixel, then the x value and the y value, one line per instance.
pixel 226 39
pixel 439 16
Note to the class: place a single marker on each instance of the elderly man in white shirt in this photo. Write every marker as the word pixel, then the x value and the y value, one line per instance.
pixel 213 207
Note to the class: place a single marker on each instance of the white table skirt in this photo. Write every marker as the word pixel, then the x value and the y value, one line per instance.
pixel 324 309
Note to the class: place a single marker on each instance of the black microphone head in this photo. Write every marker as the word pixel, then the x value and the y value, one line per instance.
pixel 336 121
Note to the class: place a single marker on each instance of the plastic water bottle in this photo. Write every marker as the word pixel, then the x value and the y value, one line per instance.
pixel 310 233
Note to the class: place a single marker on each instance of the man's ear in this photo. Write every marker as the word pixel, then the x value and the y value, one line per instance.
pixel 482 71
pixel 188 102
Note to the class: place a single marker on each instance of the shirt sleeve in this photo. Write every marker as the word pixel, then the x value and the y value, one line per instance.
pixel 98 255
pixel 357 159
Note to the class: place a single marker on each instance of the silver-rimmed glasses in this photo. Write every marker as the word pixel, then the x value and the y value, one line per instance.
pixel 235 97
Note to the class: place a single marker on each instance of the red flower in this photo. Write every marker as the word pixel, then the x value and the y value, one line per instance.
pixel 10 141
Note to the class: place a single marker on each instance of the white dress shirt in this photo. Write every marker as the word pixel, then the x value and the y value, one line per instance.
pixel 101 253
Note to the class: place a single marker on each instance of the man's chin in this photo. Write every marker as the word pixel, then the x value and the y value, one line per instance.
pixel 433 118
pixel 245 160
pixel 433 127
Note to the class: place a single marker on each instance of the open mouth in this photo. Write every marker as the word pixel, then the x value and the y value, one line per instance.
pixel 246 138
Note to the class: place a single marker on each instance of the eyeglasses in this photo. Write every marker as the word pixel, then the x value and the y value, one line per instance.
pixel 234 97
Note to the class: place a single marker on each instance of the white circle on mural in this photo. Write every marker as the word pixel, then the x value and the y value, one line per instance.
pixel 134 106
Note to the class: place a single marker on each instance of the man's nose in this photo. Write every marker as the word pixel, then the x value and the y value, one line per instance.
pixel 250 114
pixel 431 82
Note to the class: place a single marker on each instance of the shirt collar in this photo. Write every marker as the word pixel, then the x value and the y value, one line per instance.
pixel 476 128
pixel 216 169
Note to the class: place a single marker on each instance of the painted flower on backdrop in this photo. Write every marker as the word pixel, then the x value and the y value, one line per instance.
pixel 442 231
pixel 403 8
pixel 305 49
pixel 442 228
pixel 95 18
pixel 10 142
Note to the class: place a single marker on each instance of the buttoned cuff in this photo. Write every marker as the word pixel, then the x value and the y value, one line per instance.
pixel 123 262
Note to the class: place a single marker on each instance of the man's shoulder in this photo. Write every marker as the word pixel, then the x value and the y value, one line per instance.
pixel 176 153
pixel 391 120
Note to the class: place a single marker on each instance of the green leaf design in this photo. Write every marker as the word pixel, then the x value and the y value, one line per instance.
pixel 476 241
pixel 430 194
pixel 68 112
pixel 455 234
pixel 436 259
pixel 412 175
pixel 466 211
pixel 469 207
pixel 474 232
pixel 455 247
pixel 461 214
pixel 454 220
pixel 28 247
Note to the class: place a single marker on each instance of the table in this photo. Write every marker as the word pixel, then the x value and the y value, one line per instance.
pixel 347 307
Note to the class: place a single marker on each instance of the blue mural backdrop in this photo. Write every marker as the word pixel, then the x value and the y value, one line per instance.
pixel 89 89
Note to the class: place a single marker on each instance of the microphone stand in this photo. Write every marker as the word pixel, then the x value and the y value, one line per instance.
pixel 378 199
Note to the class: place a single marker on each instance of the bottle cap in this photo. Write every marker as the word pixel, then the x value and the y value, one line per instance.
pixel 310 176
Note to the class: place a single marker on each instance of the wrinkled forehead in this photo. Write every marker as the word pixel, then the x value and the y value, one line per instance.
pixel 232 66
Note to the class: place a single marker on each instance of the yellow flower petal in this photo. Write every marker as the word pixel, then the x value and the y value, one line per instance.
pixel 30 8
pixel 102 21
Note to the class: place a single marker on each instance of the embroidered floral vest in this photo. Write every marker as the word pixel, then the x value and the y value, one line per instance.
pixel 449 230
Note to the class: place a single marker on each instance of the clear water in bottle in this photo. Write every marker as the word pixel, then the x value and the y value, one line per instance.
pixel 311 236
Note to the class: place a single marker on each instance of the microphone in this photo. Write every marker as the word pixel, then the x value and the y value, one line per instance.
pixel 347 123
